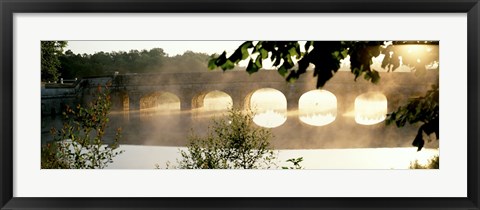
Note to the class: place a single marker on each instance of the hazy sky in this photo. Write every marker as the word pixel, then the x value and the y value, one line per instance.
pixel 172 48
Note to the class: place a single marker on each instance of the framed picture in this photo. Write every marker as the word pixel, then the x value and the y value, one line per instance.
pixel 337 140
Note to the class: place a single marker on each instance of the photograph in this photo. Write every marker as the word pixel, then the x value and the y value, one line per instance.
pixel 160 104
pixel 240 104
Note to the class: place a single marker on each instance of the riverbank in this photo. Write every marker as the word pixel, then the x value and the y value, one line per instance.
pixel 146 157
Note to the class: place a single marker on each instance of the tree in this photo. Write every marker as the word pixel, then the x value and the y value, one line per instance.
pixel 326 57
pixel 187 62
pixel 79 144
pixel 233 142
pixel 423 109
pixel 146 61
pixel 50 52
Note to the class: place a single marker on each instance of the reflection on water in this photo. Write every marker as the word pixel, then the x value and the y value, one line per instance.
pixel 269 119
pixel 318 119
pixel 145 157
pixel 165 125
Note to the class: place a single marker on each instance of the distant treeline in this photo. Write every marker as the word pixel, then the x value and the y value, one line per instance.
pixel 151 61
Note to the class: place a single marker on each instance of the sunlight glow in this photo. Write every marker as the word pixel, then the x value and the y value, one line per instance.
pixel 160 102
pixel 270 106
pixel 370 108
pixel 126 103
pixel 217 101
pixel 317 107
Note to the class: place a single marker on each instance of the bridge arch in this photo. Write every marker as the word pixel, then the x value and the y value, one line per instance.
pixel 217 101
pixel 370 108
pixel 317 107
pixel 120 100
pixel 160 101
pixel 269 106
pixel 211 100
pixel 125 102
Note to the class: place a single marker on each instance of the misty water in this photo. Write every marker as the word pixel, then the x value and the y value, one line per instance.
pixel 358 139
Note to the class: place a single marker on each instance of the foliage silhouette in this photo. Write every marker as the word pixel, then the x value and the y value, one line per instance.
pixel 50 63
pixel 296 163
pixel 423 109
pixel 326 57
pixel 79 144
pixel 146 61
pixel 433 163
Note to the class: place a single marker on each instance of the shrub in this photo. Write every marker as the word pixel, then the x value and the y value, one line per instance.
pixel 79 144
pixel 433 163
pixel 232 142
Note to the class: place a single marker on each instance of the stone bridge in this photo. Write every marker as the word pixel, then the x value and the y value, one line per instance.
pixel 191 88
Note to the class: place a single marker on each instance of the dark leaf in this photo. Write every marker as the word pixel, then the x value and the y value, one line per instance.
pixel 373 76
pixel 386 62
pixel 282 71
pixel 251 67
pixel 395 62
pixel 235 57
pixel 307 45
pixel 221 59
pixel 323 75
pixel 418 141
pixel 374 51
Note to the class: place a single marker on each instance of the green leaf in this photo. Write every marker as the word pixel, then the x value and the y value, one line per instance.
pixel 335 54
pixel 263 53
pixel 244 49
pixel 257 47
pixel 228 65
pixel 345 53
pixel 258 62
pixel 293 51
pixel 251 67
pixel 282 71
pixel 289 62
pixel 297 49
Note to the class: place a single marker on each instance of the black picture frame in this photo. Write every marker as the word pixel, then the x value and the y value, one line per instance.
pixel 10 7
